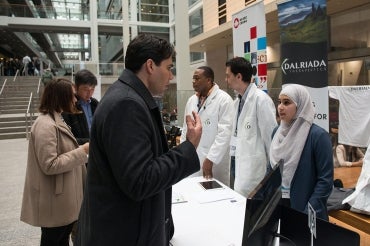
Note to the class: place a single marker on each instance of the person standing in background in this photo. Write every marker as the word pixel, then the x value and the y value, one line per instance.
pixel 306 151
pixel 47 76
pixel 128 194
pixel 80 123
pixel 31 68
pixel 37 64
pixel 26 59
pixel 254 120
pixel 348 156
pixel 215 108
pixel 53 188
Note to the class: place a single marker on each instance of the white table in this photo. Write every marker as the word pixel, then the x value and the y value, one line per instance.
pixel 207 217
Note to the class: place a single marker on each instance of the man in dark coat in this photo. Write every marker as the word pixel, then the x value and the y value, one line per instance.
pixel 85 82
pixel 127 199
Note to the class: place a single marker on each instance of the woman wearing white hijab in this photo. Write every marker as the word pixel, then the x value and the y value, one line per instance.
pixel 305 150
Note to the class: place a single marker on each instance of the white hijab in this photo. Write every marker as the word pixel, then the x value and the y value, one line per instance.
pixel 290 138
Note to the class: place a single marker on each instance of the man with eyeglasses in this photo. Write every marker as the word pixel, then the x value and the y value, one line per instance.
pixel 215 108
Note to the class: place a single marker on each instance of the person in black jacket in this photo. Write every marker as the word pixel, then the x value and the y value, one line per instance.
pixel 85 82
pixel 127 198
pixel 80 123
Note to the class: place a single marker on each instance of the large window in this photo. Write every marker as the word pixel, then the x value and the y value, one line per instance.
pixel 349 55
pixel 196 56
pixel 111 9
pixel 191 2
pixel 196 23
pixel 221 12
pixel 153 11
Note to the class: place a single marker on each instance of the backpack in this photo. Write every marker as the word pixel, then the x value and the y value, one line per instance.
pixel 46 77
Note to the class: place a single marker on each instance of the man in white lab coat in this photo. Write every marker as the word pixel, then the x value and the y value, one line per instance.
pixel 215 108
pixel 253 123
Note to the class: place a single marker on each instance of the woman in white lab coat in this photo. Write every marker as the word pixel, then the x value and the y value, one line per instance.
pixel 252 129
pixel 216 112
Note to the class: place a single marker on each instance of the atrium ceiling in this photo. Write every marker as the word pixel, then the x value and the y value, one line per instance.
pixel 43 33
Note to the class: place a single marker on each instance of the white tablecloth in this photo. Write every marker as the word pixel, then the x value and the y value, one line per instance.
pixel 207 217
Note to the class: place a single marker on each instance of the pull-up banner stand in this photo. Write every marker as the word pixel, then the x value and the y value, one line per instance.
pixel 249 40
pixel 304 51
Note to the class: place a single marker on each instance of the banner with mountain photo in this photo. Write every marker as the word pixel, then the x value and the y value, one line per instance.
pixel 304 50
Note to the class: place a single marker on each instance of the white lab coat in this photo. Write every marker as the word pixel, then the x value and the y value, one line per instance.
pixel 359 199
pixel 216 115
pixel 256 123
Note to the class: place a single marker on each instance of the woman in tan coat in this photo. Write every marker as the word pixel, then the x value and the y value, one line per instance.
pixel 53 189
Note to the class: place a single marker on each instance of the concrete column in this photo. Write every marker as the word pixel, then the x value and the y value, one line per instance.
pixel 94 56
pixel 183 71
pixel 125 25
pixel 134 11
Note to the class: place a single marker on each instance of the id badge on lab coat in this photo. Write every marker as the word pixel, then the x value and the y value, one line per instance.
pixel 285 192
pixel 232 145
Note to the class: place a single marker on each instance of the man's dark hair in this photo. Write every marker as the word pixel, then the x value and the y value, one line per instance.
pixel 57 96
pixel 242 66
pixel 208 72
pixel 85 77
pixel 144 47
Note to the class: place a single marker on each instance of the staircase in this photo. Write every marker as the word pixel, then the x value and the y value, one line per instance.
pixel 14 101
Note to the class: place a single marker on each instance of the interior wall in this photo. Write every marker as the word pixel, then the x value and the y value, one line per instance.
pixel 216 59
pixel 273 53
pixel 351 71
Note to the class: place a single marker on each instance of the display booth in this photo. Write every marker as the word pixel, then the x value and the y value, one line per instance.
pixel 214 216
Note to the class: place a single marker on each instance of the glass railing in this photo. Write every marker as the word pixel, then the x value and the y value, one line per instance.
pixel 196 31
pixel 50 12
pixel 78 12
pixel 102 69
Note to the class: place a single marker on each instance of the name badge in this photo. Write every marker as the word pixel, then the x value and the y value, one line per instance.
pixel 285 192
pixel 232 145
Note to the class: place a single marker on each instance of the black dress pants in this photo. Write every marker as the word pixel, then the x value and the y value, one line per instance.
pixel 56 236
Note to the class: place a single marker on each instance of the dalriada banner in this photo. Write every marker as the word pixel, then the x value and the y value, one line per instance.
pixel 304 50
pixel 249 40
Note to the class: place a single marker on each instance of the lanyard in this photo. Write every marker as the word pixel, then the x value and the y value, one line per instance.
pixel 201 101
pixel 240 107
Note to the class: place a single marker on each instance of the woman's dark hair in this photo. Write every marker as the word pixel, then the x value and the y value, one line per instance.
pixel 242 66
pixel 144 47
pixel 57 97
pixel 85 77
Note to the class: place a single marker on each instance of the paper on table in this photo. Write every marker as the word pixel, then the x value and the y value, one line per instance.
pixel 178 198
pixel 213 196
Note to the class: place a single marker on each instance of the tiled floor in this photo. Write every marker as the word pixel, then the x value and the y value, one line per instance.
pixel 13 232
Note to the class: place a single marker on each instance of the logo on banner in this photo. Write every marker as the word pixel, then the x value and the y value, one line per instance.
pixel 249 38
pixel 238 22
pixel 303 66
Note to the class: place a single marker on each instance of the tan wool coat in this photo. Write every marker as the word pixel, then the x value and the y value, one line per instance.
pixel 53 189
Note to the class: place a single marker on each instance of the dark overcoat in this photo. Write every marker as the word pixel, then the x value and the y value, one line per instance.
pixel 78 122
pixel 127 199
